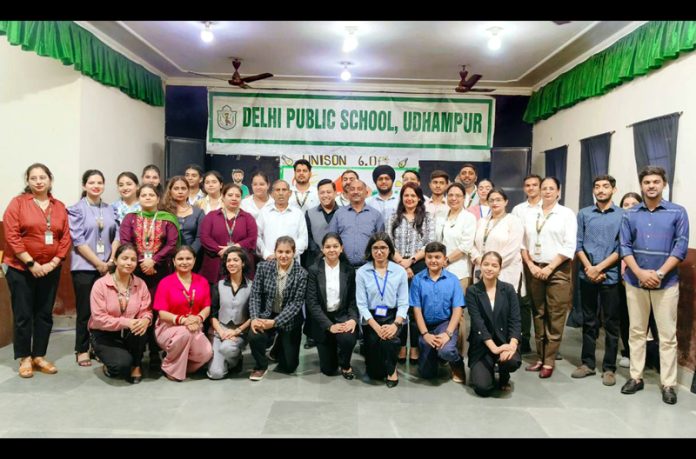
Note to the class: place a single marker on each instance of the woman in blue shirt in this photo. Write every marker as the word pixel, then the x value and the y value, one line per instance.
pixel 382 299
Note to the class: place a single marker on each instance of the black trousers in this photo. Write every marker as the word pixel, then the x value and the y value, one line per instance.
pixel 120 351
pixel 32 308
pixel 286 348
pixel 380 355
pixel 610 300
pixel 482 372
pixel 336 351
pixel 82 283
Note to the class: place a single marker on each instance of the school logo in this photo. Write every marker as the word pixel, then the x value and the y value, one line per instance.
pixel 227 118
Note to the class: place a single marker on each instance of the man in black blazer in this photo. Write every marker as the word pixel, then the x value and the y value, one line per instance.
pixel 495 334
pixel 333 326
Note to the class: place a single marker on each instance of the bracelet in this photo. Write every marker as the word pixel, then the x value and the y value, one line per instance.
pixel 200 317
pixel 178 319
pixel 424 333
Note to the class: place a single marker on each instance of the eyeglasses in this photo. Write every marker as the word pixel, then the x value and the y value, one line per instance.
pixel 381 248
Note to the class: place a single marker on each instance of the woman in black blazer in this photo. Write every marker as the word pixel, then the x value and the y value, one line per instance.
pixel 331 307
pixel 495 331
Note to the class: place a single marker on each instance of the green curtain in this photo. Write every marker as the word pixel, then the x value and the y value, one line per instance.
pixel 638 53
pixel 73 45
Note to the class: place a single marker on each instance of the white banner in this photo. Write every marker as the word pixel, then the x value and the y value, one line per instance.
pixel 292 122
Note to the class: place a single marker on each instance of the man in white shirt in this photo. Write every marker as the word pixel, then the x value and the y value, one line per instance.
pixel 280 220
pixel 385 201
pixel 437 205
pixel 347 177
pixel 532 189
pixel 303 196
pixel 468 178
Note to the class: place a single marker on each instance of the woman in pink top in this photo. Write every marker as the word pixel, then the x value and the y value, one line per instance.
pixel 120 306
pixel 183 303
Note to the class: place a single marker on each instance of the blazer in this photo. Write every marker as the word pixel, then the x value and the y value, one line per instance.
pixel 263 291
pixel 316 299
pixel 501 324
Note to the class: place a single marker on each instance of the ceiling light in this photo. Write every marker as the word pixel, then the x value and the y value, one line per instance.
pixel 206 33
pixel 494 41
pixel 345 74
pixel 351 41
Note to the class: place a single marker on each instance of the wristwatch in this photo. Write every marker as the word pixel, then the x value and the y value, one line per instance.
pixel 660 274
pixel 30 263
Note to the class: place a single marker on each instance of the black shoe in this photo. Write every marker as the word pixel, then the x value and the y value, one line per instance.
pixel 134 379
pixel 632 386
pixel 310 343
pixel 668 395
pixel 348 374
pixel 391 383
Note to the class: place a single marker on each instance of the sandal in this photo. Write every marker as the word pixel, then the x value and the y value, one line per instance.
pixel 26 368
pixel 84 362
pixel 348 374
pixel 44 366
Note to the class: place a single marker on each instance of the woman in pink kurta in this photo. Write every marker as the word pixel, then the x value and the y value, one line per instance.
pixel 226 227
pixel 183 303
pixel 120 316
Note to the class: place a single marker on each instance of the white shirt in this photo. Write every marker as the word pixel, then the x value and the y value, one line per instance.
pixel 522 209
pixel 304 200
pixel 505 236
pixel 198 196
pixel 386 207
pixel 436 210
pixel 471 199
pixel 458 234
pixel 333 286
pixel 273 223
pixel 249 205
pixel 557 236
pixel 341 201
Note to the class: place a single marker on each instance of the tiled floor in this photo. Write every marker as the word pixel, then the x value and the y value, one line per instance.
pixel 81 402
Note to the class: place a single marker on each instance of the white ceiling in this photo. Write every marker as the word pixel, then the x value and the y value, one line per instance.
pixel 390 53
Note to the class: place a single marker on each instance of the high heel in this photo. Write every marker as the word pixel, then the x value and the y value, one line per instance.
pixel 84 362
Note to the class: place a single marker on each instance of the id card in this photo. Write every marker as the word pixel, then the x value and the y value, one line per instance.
pixel 381 311
pixel 537 249
pixel 48 237
pixel 100 247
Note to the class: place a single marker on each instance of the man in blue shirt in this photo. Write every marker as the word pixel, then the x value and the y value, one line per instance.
pixel 654 240
pixel 437 300
pixel 598 251
pixel 355 224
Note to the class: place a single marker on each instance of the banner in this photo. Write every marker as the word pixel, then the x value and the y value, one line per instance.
pixel 326 124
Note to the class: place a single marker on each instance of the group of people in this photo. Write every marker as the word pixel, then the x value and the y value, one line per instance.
pixel 201 274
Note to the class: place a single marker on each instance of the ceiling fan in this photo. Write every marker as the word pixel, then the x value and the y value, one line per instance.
pixel 236 79
pixel 467 84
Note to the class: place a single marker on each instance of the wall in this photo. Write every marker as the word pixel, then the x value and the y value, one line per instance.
pixel 662 92
pixel 39 120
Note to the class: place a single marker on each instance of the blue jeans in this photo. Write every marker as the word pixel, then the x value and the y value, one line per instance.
pixel 428 359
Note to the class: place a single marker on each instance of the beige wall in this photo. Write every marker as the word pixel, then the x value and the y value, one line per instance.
pixel 664 91
pixel 50 113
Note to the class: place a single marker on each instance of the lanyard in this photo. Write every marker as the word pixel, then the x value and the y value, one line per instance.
pixel 301 204
pixel 539 228
pixel 471 200
pixel 487 231
pixel 47 214
pixel 123 297
pixel 227 226
pixel 150 232
pixel 191 298
pixel 382 290
pixel 100 218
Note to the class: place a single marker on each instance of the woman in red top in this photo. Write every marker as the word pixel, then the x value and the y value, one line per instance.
pixel 183 302
pixel 38 239
pixel 120 306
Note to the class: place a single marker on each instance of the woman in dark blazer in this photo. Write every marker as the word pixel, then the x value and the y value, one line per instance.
pixel 331 306
pixel 275 309
pixel 495 328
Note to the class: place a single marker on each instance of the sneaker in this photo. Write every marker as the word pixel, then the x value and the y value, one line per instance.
pixel 608 378
pixel 257 375
pixel 625 362
pixel 458 373
pixel 582 371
